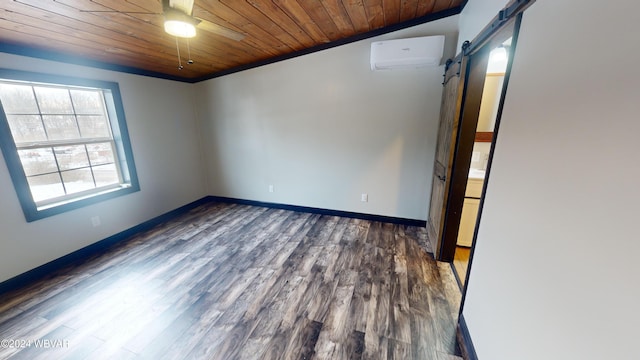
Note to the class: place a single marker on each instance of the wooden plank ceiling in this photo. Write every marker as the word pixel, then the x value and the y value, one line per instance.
pixel 129 34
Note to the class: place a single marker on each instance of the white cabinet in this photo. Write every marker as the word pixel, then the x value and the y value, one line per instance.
pixel 468 221
pixel 474 188
pixel 470 211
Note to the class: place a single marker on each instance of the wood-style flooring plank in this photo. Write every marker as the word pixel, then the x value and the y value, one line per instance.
pixel 229 281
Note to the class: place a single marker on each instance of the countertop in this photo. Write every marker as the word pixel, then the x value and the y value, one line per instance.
pixel 476 174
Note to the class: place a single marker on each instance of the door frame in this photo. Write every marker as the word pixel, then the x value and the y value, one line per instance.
pixel 510 30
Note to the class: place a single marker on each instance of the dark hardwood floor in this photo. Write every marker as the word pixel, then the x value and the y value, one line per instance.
pixel 228 281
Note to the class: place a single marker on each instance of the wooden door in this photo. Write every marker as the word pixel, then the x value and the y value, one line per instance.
pixel 447 133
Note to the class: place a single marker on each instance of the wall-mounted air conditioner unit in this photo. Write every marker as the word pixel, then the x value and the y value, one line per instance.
pixel 407 53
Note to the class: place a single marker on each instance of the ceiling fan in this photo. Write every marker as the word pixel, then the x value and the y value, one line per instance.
pixel 180 22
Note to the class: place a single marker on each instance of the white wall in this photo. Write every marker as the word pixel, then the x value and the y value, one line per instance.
pixel 475 16
pixel 162 127
pixel 555 271
pixel 323 128
pixel 491 94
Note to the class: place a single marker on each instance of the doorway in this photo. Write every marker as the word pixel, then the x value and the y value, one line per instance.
pixel 481 152
pixel 465 78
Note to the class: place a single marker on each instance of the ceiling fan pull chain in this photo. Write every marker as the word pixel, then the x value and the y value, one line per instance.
pixel 179 60
pixel 189 53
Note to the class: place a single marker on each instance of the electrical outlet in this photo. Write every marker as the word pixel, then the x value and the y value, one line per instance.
pixel 270 188
pixel 364 198
pixel 95 221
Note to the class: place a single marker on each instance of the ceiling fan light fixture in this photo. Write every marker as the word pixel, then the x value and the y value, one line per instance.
pixel 179 28
pixel 179 24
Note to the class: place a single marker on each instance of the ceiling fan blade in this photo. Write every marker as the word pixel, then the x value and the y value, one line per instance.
pixel 121 12
pixel 186 6
pixel 220 30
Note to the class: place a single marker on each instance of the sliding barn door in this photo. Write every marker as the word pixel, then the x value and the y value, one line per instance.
pixel 447 133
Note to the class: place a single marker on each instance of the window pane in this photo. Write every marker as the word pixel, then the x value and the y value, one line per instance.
pixel 93 126
pixel 45 187
pixel 87 102
pixel 37 161
pixel 77 180
pixel 100 153
pixel 71 157
pixel 106 175
pixel 61 127
pixel 53 101
pixel 18 99
pixel 26 128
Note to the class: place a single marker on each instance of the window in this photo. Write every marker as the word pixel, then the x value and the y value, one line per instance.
pixel 64 140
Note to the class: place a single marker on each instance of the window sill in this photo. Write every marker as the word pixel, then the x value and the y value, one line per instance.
pixel 53 204
pixel 34 212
